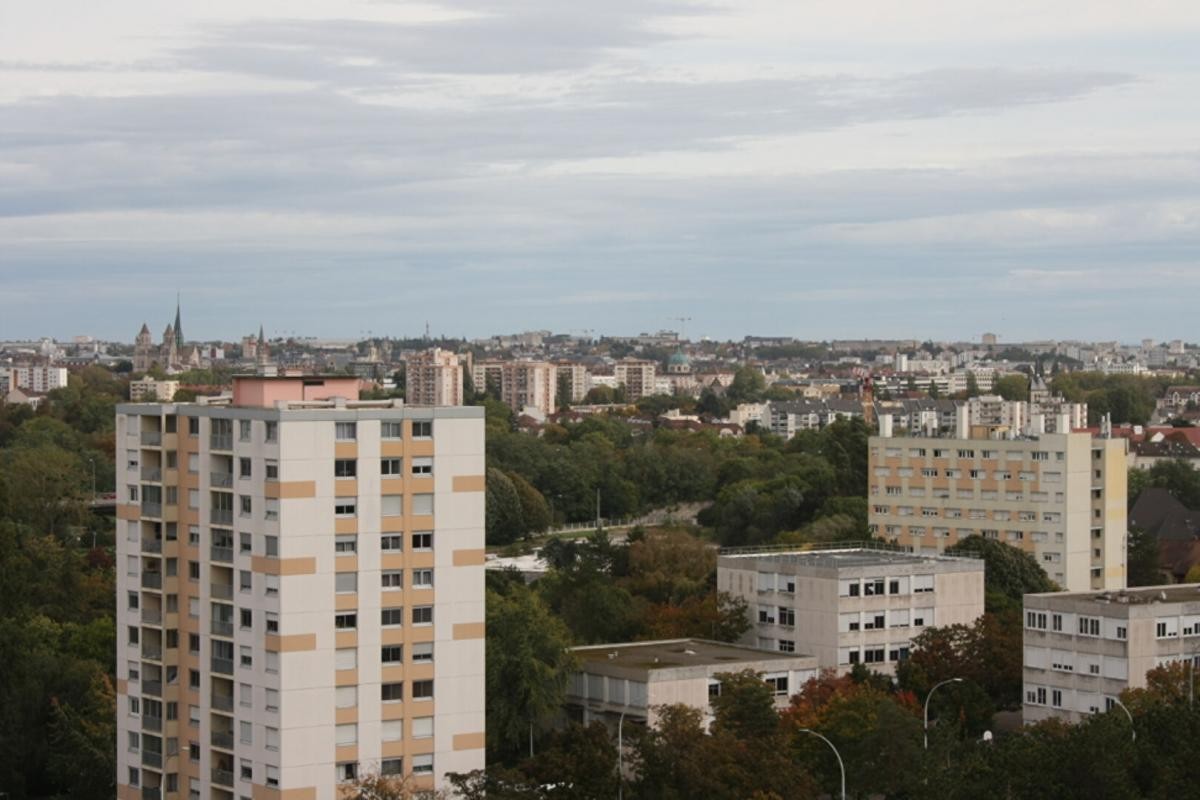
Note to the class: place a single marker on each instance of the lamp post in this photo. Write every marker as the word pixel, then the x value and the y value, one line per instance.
pixel 621 756
pixel 928 697
pixel 841 764
pixel 1132 730
pixel 93 506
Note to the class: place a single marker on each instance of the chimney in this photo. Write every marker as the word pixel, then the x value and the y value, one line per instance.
pixel 1037 424
pixel 885 426
pixel 962 422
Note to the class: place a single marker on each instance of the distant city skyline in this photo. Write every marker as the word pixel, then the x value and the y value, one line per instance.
pixel 863 169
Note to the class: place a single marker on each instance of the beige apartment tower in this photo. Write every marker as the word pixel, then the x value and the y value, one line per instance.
pixel 1060 496
pixel 433 378
pixel 300 592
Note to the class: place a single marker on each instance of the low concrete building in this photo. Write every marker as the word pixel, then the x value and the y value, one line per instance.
pixel 848 604
pixel 636 677
pixel 1082 649
pixel 148 390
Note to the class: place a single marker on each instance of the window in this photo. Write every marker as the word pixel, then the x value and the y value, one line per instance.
pixel 346 431
pixel 345 658
pixel 1035 620
pixel 245 542
pixel 392 579
pixel 346 697
pixel 787 616
pixel 245 695
pixel 272 470
pixel 273 772
pixel 422 504
pixel 134 741
pixel 422 765
pixel 245 581
pixel 272 737
pixel 394 543
pixel 244 430
pixel 1088 626
pixel 345 544
pixel 272 431
pixel 134 776
pixel 391 616
pixel 422 615
pixel 391 692
pixel 246 732
pixel 271 546
pixel 193 426
pixel 132 601
pixel 392 730
pixel 779 683
pixel 422 652
pixel 422 578
pixel 246 615
pixel 345 582
pixel 247 505
pixel 422 540
pixel 1056 698
pixel 422 466
pixel 391 505
pixel 391 766
pixel 422 430
pixel 272 622
pixel 391 430
pixel 422 727
pixel 246 656
pixel 347 621
pixel 872 586
pixel 272 585
pixel 247 770
pixel 422 690
pixel 345 468
pixel 345 507
pixel 244 465
pixel 787 646
pixel 390 466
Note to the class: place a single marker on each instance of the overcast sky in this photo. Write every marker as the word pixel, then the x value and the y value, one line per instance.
pixel 785 167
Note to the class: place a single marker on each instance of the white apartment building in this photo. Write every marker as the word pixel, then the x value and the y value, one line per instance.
pixel 1082 649
pixel 521 384
pixel 633 679
pixel 35 378
pixel 150 390
pixel 575 379
pixel 433 378
pixel 300 592
pixel 849 605
pixel 638 376
pixel 1061 497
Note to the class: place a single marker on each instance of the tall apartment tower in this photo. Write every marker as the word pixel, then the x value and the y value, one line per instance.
pixel 637 376
pixel 1059 496
pixel 301 592
pixel 433 378
pixel 519 384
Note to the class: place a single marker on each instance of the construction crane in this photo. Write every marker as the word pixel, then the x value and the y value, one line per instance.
pixel 682 321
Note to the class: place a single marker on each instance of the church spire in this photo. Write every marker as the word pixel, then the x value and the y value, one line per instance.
pixel 178 323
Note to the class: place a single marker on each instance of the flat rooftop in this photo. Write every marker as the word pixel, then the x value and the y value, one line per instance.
pixel 1140 596
pixel 850 557
pixel 674 653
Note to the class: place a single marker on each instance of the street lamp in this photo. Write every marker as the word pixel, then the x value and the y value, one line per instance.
pixel 928 697
pixel 621 756
pixel 841 764
pixel 1121 706
pixel 92 461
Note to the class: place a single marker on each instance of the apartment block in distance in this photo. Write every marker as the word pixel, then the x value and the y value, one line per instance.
pixel 300 592
pixel 1058 496
pixel 1082 649
pixel 433 378
pixel 849 605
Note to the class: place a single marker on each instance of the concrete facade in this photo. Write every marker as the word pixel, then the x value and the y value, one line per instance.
pixel 1061 497
pixel 300 591
pixel 850 605
pixel 1082 649
pixel 433 378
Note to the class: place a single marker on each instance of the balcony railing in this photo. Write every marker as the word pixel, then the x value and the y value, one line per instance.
pixel 222 591
pixel 222 702
pixel 223 554
pixel 220 441
pixel 221 516
pixel 220 628
pixel 151 616
pixel 151 438
pixel 152 652
pixel 150 723
pixel 152 688
pixel 151 759
pixel 151 545
pixel 152 474
pixel 151 509
pixel 151 580
pixel 222 740
pixel 221 480
pixel 152 793
pixel 222 777
pixel 222 666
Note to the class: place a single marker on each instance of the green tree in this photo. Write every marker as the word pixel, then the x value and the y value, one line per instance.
pixel 1142 559
pixel 747 386
pixel 535 512
pixel 972 385
pixel 1009 573
pixel 528 666
pixel 1179 478
pixel 1012 387
pixel 745 708
pixel 504 524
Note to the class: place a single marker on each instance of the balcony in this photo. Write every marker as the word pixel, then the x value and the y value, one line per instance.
pixel 220 441
pixel 151 580
pixel 151 545
pixel 151 509
pixel 152 688
pixel 152 793
pixel 152 474
pixel 222 777
pixel 152 652
pixel 222 666
pixel 222 702
pixel 150 723
pixel 222 740
pixel 151 616
pixel 222 591
pixel 152 438
pixel 222 554
pixel 220 628
pixel 151 759
pixel 221 516
pixel 221 480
